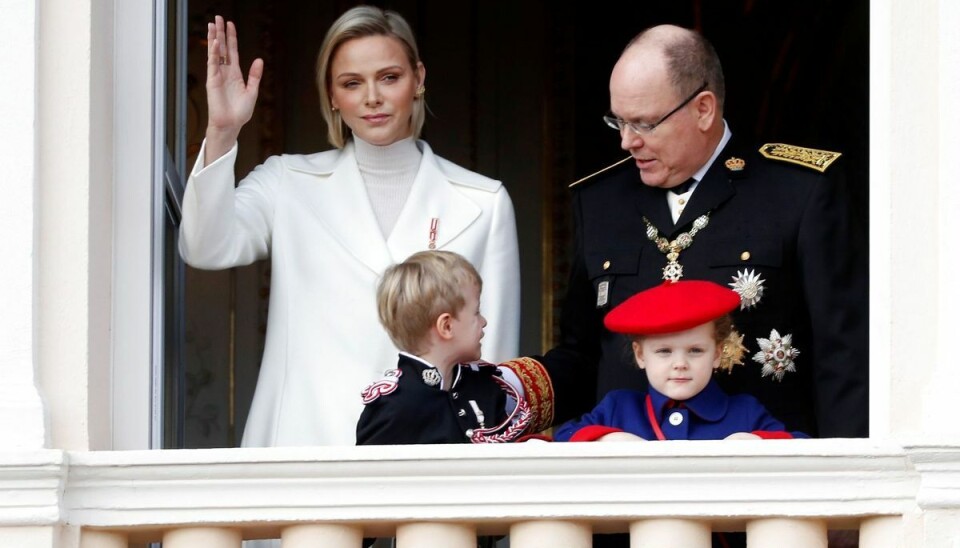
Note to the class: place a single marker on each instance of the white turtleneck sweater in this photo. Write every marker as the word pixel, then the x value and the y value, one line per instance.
pixel 388 173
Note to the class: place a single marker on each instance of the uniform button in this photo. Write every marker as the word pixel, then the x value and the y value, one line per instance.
pixel 680 210
pixel 681 201
pixel 455 395
pixel 745 256
pixel 676 418
pixel 606 265
pixel 461 413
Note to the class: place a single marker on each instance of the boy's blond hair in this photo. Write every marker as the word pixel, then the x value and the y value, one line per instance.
pixel 413 294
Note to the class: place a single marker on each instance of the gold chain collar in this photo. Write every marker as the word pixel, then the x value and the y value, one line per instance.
pixel 674 270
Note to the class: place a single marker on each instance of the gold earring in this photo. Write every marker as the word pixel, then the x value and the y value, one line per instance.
pixel 420 91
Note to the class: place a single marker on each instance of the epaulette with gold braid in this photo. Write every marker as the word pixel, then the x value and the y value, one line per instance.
pixel 819 160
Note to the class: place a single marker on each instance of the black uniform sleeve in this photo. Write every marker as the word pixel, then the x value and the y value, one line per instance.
pixel 375 425
pixel 572 365
pixel 835 282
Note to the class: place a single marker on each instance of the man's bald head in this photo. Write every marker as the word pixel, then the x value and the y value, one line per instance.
pixel 689 58
pixel 659 83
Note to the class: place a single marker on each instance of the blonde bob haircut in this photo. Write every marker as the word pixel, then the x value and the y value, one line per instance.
pixel 360 22
pixel 413 294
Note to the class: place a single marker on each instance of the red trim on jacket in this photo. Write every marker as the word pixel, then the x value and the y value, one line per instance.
pixel 772 435
pixel 593 433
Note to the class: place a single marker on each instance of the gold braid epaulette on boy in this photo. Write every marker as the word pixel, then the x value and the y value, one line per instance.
pixel 538 389
pixel 819 160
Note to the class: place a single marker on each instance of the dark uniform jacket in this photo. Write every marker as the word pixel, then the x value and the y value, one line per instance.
pixel 787 223
pixel 414 412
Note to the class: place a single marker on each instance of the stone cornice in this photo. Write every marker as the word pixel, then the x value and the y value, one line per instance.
pixel 938 466
pixel 31 487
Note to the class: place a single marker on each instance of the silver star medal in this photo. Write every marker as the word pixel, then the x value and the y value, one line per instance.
pixel 673 272
pixel 776 355
pixel 431 377
pixel 749 285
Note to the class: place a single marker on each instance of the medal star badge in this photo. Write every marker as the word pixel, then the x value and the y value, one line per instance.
pixel 749 285
pixel 777 355
pixel 673 272
pixel 731 352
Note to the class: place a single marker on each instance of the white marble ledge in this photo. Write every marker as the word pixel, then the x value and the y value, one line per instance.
pixel 834 479
pixel 532 481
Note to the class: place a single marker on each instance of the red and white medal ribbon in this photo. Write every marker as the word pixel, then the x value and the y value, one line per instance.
pixel 434 223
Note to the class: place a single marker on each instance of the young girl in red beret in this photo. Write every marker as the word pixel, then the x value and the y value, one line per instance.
pixel 682 334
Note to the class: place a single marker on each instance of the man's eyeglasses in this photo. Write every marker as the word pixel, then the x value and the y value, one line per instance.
pixel 641 128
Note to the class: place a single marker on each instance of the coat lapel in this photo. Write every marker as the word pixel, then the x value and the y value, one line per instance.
pixel 713 190
pixel 652 203
pixel 432 196
pixel 343 207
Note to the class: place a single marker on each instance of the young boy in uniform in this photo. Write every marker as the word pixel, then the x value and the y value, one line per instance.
pixel 682 333
pixel 430 307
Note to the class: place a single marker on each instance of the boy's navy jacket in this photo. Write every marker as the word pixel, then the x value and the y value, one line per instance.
pixel 416 412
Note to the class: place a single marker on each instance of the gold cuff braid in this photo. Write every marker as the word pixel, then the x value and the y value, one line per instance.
pixel 538 390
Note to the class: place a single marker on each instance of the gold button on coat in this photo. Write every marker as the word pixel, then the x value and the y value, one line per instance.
pixel 745 256
pixel 606 265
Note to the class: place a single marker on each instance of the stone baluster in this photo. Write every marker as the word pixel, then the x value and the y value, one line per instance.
pixel 549 534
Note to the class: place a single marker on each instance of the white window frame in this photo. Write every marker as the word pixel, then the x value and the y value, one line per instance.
pixel 138 140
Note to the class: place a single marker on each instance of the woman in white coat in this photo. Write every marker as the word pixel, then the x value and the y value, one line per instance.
pixel 332 222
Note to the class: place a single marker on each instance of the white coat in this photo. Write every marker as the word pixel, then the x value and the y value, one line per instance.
pixel 312 217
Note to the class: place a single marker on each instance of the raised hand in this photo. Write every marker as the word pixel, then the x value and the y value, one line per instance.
pixel 230 100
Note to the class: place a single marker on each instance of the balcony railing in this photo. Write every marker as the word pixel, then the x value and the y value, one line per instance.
pixel 782 493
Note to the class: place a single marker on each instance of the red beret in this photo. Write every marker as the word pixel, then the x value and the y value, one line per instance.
pixel 671 307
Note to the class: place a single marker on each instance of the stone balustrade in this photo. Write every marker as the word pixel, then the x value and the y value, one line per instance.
pixel 783 493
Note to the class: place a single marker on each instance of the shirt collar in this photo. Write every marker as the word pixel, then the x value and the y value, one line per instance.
pixel 710 404
pixel 702 172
